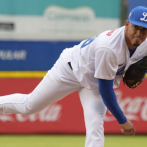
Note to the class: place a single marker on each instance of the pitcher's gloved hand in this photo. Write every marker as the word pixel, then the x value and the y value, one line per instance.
pixel 135 73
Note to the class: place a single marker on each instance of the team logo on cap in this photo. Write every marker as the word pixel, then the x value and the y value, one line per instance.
pixel 145 16
pixel 129 15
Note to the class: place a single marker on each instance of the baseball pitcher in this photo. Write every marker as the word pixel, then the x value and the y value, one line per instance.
pixel 93 68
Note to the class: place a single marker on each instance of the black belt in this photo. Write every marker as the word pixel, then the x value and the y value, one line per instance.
pixel 69 63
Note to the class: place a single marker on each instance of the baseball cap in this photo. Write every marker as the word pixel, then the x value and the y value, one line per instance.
pixel 138 16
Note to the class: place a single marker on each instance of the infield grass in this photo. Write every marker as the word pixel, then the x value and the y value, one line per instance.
pixel 69 141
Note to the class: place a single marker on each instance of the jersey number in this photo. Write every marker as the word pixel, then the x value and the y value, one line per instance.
pixel 88 41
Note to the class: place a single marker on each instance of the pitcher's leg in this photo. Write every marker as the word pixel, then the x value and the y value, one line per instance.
pixel 94 111
pixel 48 91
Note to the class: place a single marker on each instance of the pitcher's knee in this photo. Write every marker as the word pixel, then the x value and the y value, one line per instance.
pixel 94 119
pixel 95 127
pixel 94 124
pixel 29 109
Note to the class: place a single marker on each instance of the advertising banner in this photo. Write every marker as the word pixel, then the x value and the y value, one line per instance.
pixel 34 33
pixel 31 55
pixel 66 115
pixel 57 20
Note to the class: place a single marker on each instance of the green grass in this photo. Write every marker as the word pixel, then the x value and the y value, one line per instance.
pixel 69 141
pixel 126 141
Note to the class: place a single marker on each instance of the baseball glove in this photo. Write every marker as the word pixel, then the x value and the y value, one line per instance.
pixel 135 73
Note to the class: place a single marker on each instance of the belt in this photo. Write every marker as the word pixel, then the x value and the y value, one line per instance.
pixel 69 63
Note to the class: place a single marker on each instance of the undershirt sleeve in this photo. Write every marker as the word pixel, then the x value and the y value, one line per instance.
pixel 109 99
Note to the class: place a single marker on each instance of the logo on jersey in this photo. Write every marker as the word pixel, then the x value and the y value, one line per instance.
pixel 120 70
pixel 110 33
pixel 145 16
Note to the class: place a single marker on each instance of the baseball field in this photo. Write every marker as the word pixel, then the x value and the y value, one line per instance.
pixel 69 141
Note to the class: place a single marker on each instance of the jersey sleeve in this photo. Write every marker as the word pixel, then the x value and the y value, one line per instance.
pixel 110 100
pixel 106 64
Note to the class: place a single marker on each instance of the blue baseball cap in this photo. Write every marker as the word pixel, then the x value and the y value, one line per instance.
pixel 138 16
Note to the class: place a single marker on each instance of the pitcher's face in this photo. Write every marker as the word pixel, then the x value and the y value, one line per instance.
pixel 134 35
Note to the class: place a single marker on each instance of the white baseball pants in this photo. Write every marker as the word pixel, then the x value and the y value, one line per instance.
pixel 58 83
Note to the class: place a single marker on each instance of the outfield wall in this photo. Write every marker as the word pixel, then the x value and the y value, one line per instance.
pixel 66 115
